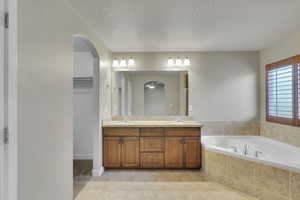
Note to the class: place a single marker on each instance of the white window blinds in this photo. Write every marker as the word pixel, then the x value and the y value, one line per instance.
pixel 280 92
pixel 283 91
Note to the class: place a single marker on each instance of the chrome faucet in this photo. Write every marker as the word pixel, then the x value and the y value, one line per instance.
pixel 125 119
pixel 246 150
pixel 235 149
pixel 257 153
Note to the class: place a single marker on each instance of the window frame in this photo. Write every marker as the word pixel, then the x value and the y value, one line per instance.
pixel 295 62
pixel 297 92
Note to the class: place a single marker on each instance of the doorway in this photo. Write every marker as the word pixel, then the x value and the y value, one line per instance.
pixel 86 101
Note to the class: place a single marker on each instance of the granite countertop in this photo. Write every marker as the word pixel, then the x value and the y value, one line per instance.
pixel 148 123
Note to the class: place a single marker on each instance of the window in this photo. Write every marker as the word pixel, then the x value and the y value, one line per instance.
pixel 283 91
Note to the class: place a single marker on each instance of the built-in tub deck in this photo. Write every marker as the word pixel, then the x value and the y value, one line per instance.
pixel 255 165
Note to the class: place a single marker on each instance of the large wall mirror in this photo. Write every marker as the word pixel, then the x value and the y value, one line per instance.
pixel 144 93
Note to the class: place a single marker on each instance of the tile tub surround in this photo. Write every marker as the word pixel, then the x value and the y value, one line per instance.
pixel 283 133
pixel 259 180
pixel 231 127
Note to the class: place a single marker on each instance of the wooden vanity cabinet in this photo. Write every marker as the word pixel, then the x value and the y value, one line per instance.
pixel 152 160
pixel 112 150
pixel 152 144
pixel 192 152
pixel 183 152
pixel 121 148
pixel 172 148
pixel 174 152
pixel 130 152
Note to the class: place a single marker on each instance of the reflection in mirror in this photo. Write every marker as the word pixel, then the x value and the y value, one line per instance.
pixel 144 93
pixel 154 98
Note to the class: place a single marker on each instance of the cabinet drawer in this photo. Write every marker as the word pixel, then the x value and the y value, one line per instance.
pixel 152 144
pixel 182 132
pixel 152 132
pixel 129 132
pixel 152 160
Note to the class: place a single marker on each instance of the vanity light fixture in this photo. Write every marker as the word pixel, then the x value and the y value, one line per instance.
pixel 123 63
pixel 186 62
pixel 178 62
pixel 130 61
pixel 115 63
pixel 170 62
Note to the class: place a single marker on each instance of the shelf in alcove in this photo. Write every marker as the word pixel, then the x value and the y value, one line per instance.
pixel 88 78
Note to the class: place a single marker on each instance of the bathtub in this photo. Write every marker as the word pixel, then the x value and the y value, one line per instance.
pixel 260 149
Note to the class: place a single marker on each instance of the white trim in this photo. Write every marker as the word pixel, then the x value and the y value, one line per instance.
pixel 3 85
pixel 12 101
pixel 96 137
pixel 98 171
pixel 83 157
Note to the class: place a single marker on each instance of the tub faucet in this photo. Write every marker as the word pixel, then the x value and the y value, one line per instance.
pixel 257 153
pixel 235 149
pixel 246 150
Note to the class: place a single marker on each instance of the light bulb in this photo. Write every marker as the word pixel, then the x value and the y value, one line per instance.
pixel 115 63
pixel 178 62
pixel 130 62
pixel 170 62
pixel 187 62
pixel 123 63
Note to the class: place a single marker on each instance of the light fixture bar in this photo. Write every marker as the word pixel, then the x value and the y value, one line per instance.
pixel 171 62
pixel 115 63
pixel 123 63
pixel 131 61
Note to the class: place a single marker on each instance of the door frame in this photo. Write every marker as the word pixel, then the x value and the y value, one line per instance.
pixel 98 168
pixel 11 170
pixel 3 66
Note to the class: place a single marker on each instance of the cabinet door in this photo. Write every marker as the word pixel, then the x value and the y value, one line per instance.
pixel 130 152
pixel 192 149
pixel 112 152
pixel 174 149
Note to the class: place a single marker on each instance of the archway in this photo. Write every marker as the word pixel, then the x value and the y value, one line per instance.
pixel 86 109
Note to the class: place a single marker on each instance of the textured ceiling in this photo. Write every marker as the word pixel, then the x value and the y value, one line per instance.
pixel 190 25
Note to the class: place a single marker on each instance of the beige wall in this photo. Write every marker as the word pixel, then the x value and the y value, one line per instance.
pixel 283 49
pixel 224 86
pixel 45 118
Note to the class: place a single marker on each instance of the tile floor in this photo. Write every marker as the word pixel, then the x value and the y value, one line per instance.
pixel 152 185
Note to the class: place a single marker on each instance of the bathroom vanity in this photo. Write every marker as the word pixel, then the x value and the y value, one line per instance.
pixel 152 144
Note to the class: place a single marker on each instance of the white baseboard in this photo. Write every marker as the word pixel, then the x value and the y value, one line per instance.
pixel 98 171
